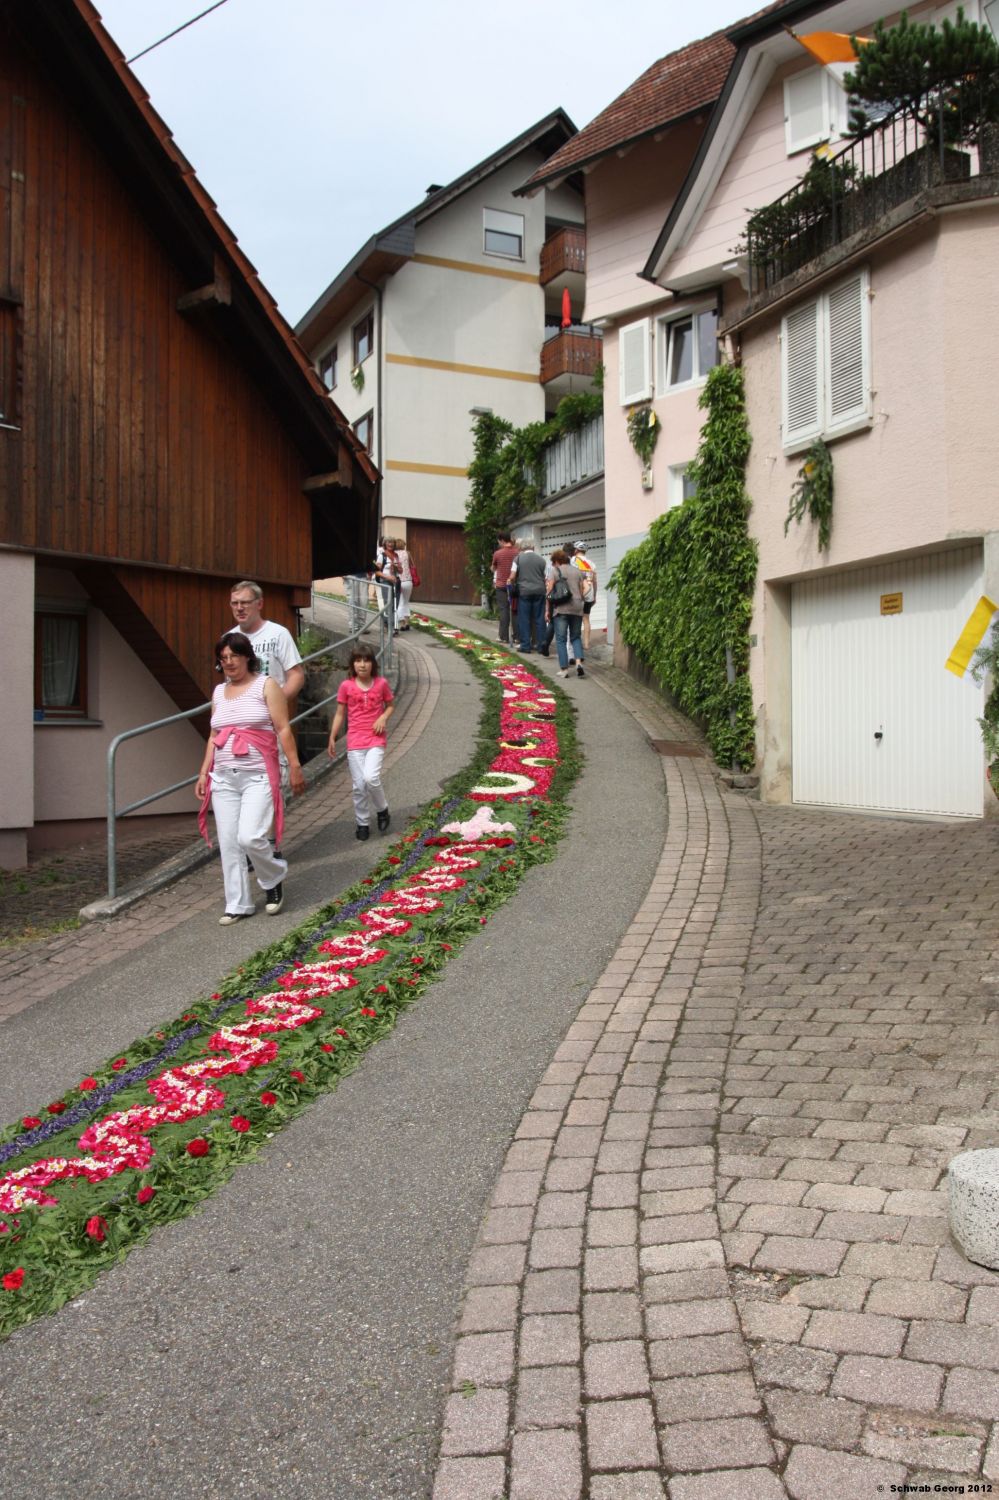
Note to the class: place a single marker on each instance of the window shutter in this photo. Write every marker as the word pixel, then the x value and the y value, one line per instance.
pixel 634 355
pixel 802 374
pixel 848 384
pixel 805 109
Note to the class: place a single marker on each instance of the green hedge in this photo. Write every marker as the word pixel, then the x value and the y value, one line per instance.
pixel 685 593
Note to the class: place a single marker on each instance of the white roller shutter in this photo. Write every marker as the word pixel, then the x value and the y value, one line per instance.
pixel 594 538
pixel 801 359
pixel 848 384
pixel 635 358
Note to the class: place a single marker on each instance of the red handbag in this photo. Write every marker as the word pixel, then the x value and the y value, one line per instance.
pixel 414 575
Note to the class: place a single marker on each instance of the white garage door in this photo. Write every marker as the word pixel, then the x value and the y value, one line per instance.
pixel 595 540
pixel 876 720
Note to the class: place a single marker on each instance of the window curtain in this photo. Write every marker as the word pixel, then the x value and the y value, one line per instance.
pixel 60 661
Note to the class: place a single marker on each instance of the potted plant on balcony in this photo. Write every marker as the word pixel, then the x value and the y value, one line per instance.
pixel 946 79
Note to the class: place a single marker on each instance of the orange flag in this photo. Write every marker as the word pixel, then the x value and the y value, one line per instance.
pixel 829 46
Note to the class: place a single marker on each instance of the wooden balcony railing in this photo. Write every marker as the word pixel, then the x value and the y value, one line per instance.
pixel 570 353
pixel 565 250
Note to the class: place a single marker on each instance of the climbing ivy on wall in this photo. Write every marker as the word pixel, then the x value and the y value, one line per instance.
pixel 506 473
pixel 684 595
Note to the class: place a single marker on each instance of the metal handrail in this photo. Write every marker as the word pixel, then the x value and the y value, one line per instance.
pixel 360 618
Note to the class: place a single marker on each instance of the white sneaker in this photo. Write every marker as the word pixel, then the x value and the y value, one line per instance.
pixel 232 916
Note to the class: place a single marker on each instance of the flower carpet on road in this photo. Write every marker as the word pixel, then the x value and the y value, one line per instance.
pixel 154 1131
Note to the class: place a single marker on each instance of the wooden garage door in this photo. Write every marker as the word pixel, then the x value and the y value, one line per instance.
pixel 876 720
pixel 441 559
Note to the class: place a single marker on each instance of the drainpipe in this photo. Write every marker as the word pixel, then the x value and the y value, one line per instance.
pixel 379 405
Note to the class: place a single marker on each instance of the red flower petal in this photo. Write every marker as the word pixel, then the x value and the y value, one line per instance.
pixel 119 1063
pixel 328 1047
pixel 88 1083
pixel 367 1011
pixel 296 1074
pixel 31 1122
pixel 240 1123
pixel 199 1146
pixel 56 1108
pixel 340 1031
pixel 267 1098
pixel 145 1194
pixel 97 1228
pixel 13 1280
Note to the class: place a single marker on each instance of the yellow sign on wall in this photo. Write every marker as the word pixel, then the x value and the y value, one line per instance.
pixel 891 604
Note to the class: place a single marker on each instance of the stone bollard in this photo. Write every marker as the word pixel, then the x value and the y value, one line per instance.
pixel 973 1185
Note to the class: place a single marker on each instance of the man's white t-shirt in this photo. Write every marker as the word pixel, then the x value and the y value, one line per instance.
pixel 275 646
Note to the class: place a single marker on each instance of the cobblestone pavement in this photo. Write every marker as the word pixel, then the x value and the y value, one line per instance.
pixel 716 1263
pixel 51 891
pixel 31 971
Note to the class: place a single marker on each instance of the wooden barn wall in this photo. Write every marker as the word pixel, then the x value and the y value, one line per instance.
pixel 172 620
pixel 142 436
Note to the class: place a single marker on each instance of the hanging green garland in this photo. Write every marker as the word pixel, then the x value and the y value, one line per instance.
pixel 643 430
pixel 812 494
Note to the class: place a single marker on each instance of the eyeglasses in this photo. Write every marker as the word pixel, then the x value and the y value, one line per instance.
pixel 242 603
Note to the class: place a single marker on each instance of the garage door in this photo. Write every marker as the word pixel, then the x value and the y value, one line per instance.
pixel 595 540
pixel 876 720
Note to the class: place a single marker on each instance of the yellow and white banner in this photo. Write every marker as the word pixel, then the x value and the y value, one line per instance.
pixel 984 615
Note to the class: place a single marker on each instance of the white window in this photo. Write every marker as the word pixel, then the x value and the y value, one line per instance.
pixel 681 484
pixel 815 107
pixel 503 234
pixel 825 364
pixel 635 357
pixel 688 348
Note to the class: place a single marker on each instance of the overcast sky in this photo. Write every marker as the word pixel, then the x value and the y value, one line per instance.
pixel 313 123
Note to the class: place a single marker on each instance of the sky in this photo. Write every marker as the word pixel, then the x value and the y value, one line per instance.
pixel 313 123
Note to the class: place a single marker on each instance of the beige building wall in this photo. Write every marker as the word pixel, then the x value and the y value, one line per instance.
pixel 70 759
pixel 17 733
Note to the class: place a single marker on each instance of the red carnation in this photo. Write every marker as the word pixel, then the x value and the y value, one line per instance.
pixel 447 946
pixel 119 1063
pixel 381 989
pixel 30 1122
pixel 340 1031
pixel 216 996
pixel 267 1098
pixel 416 959
pixel 366 1011
pixel 13 1280
pixel 145 1194
pixel 97 1228
pixel 88 1083
pixel 56 1108
pixel 328 1047
pixel 199 1146
pixel 240 1123
pixel 394 859
pixel 296 1074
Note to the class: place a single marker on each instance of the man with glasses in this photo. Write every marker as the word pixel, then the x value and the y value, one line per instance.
pixel 273 644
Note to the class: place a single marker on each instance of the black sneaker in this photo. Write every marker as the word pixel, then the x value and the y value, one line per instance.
pixel 579 670
pixel 275 899
pixel 384 819
pixel 362 831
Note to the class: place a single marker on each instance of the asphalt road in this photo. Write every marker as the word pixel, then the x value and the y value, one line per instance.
pixel 294 1338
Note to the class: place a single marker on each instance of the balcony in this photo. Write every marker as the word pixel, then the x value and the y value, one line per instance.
pixel 892 171
pixel 576 459
pixel 564 251
pixel 569 358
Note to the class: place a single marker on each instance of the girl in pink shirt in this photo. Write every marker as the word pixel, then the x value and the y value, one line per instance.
pixel 365 699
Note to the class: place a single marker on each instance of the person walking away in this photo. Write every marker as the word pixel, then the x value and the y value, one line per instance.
pixel 528 569
pixel 365 699
pixel 387 572
pixel 405 582
pixel 239 777
pixel 567 613
pixel 503 559
pixel 588 587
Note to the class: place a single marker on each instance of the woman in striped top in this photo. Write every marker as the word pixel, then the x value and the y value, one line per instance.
pixel 241 779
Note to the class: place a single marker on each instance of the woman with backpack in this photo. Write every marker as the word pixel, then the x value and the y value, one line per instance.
pixel 565 607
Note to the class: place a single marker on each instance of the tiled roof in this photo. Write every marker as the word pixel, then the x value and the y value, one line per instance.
pixel 677 85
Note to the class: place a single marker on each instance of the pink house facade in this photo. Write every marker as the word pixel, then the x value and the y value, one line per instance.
pixel 879 340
